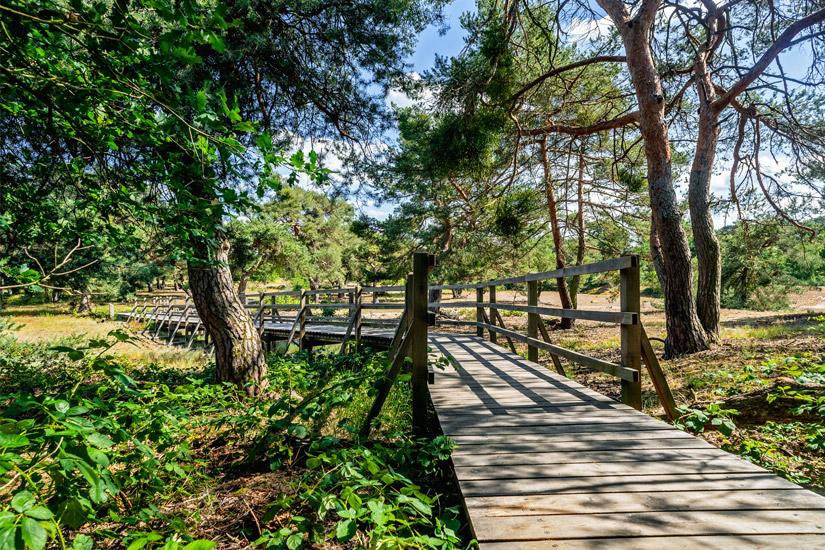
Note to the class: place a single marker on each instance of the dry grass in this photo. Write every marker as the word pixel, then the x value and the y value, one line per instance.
pixel 49 322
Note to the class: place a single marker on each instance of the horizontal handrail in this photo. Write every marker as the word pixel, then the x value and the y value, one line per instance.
pixel 619 317
pixel 616 264
pixel 631 375
pixel 382 306
pixel 346 290
pixel 397 288
pixel 454 287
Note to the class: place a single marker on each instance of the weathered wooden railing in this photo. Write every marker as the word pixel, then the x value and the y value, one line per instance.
pixel 635 346
pixel 415 316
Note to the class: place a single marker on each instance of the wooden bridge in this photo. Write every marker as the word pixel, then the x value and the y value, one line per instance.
pixel 542 461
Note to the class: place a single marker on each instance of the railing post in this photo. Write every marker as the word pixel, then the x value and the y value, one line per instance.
pixel 419 348
pixel 533 320
pixel 479 311
pixel 302 316
pixel 630 301
pixel 493 311
pixel 357 299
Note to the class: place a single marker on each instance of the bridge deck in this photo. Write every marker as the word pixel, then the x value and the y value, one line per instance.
pixel 544 462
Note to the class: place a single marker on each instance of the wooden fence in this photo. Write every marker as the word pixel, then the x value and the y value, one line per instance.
pixel 299 309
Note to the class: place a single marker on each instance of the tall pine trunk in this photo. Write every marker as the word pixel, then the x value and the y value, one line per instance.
pixel 684 331
pixel 239 354
pixel 708 255
pixel 558 242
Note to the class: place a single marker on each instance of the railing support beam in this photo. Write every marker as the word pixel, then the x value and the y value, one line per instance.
pixel 631 334
pixel 419 342
pixel 533 320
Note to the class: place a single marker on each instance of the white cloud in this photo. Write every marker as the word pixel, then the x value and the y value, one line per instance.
pixel 590 29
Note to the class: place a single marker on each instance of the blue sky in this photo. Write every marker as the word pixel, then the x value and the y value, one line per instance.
pixel 430 43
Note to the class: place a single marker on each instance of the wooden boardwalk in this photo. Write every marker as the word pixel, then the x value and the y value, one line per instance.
pixel 544 462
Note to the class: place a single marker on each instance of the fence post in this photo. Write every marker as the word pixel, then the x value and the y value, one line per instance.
pixel 111 311
pixel 357 298
pixel 302 320
pixel 493 312
pixel 419 348
pixel 479 311
pixel 631 334
pixel 533 320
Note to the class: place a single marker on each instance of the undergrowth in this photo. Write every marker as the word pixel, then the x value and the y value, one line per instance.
pixel 100 452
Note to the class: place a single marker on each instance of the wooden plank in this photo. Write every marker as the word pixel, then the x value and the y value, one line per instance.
pixel 498 444
pixel 599 453
pixel 649 524
pixel 624 484
pixel 381 306
pixel 507 281
pixel 533 505
pixel 536 473
pixel 618 317
pixel 554 429
pixel 618 371
pixel 657 376
pixel 585 440
pixel 735 542
pixel 584 269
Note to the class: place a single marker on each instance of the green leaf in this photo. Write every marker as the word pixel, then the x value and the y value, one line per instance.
pixel 82 542
pixel 33 534
pixel 6 518
pixel 201 99
pixel 345 530
pixel 200 545
pixel 23 501
pixel 99 440
pixel 295 541
pixel 97 456
pixel 13 440
pixel 73 513
pixel 62 406
pixel 313 463
pixel 39 512
pixel 137 544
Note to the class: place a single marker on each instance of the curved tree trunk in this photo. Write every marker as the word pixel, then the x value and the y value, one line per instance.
pixel 239 355
pixel 708 255
pixel 709 262
pixel 684 331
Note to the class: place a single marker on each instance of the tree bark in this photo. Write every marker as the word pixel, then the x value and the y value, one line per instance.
pixel 576 280
pixel 558 242
pixel 684 331
pixel 709 262
pixel 85 305
pixel 243 280
pixel 239 354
